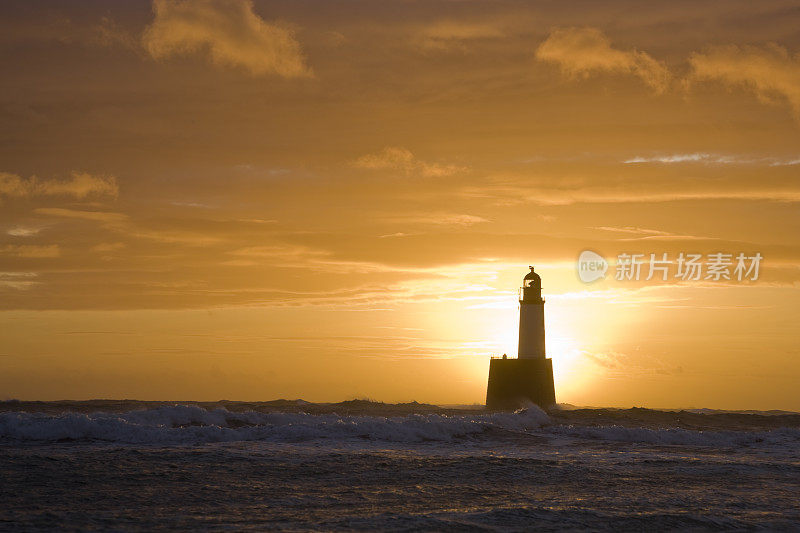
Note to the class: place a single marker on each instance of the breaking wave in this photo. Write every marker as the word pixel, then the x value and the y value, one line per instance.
pixel 191 424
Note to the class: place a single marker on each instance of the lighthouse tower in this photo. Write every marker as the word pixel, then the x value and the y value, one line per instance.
pixel 515 383
pixel 531 318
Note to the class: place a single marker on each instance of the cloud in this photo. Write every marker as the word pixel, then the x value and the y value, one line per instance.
pixel 395 235
pixel 448 35
pixel 279 252
pixel 395 158
pixel 80 185
pixel 438 219
pixel 174 236
pixel 98 216
pixel 716 159
pixel 679 158
pixel 30 251
pixel 785 162
pixel 229 32
pixel 634 229
pixel 17 280
pixel 586 51
pixel 23 231
pixel 299 256
pixel 511 194
pixel 645 234
pixel 106 247
pixel 769 71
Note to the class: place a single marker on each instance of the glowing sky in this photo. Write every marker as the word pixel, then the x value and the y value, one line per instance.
pixel 327 200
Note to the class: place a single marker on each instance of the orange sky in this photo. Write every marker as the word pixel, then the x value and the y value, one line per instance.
pixel 327 200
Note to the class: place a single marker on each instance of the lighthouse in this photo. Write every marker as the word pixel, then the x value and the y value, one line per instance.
pixel 515 383
pixel 531 317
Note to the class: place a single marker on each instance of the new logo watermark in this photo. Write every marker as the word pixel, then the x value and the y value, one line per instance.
pixel 717 266
pixel 591 266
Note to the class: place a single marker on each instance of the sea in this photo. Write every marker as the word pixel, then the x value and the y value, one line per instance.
pixel 369 466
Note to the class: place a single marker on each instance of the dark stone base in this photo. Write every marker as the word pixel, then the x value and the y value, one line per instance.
pixel 514 383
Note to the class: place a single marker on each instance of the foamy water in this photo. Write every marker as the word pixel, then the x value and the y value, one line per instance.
pixel 195 425
pixel 303 466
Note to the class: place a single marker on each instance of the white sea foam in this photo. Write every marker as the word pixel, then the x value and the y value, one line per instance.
pixel 192 424
pixel 189 424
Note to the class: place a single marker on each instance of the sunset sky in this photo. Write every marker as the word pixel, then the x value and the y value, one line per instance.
pixel 338 199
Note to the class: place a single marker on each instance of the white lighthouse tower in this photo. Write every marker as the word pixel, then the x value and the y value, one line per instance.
pixel 531 318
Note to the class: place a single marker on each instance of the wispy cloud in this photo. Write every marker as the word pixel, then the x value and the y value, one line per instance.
pixel 395 235
pixel 438 219
pixel 279 252
pixel 23 231
pixel 587 51
pixel 517 194
pixel 173 236
pixel 713 159
pixel 633 229
pixel 18 280
pixel 454 35
pixel 401 159
pixel 98 216
pixel 229 32
pixel 79 185
pixel 107 247
pixel 633 233
pixel 300 256
pixel 30 250
pixel 198 205
pixel 769 71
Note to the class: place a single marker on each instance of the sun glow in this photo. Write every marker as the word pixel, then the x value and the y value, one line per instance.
pixel 572 369
pixel 477 324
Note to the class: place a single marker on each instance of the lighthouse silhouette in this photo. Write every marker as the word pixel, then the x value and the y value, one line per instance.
pixel 515 383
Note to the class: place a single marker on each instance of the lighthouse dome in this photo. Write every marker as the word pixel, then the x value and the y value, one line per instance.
pixel 532 279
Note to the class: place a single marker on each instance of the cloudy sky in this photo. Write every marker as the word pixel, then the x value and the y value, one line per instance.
pixel 334 199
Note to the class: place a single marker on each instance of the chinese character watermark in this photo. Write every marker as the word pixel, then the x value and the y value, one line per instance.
pixel 717 266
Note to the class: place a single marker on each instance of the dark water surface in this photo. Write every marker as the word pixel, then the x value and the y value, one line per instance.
pixel 364 466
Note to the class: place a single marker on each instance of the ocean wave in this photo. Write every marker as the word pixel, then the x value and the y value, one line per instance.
pixel 683 437
pixel 191 424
